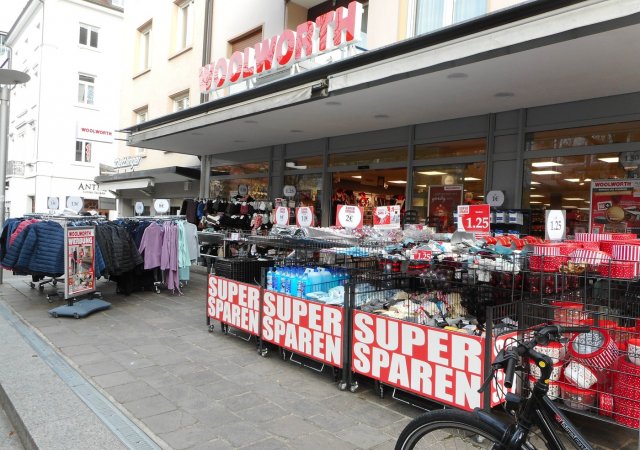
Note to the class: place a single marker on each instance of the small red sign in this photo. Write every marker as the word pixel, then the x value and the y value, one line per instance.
pixel 419 254
pixel 474 219
pixel 234 303
pixel 282 216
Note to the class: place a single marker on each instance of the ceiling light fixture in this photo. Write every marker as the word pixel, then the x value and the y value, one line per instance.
pixel 504 94
pixel 250 121
pixel 573 198
pixel 432 172
pixel 610 159
pixel 356 176
pixel 535 182
pixel 333 103
pixel 536 196
pixel 292 165
pixel 398 181
pixel 421 185
pixel 536 203
pixel 572 180
pixel 545 172
pixel 381 116
pixel 471 179
pixel 587 179
pixel 545 164
pixel 457 76
pixel 569 207
pixel 296 131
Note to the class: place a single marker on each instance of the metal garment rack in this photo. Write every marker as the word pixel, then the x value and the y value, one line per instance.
pixel 62 219
pixel 158 274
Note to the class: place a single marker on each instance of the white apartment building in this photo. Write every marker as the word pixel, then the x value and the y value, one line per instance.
pixel 63 121
pixel 158 71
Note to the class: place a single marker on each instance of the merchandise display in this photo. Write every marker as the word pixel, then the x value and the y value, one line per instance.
pixel 397 306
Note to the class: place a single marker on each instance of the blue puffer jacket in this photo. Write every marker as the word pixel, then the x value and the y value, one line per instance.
pixel 38 249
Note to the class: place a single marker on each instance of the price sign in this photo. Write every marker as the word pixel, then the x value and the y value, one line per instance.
pixel 139 208
pixel 243 190
pixel 555 224
pixel 282 216
pixel 161 205
pixel 421 254
pixel 75 203
pixel 474 219
pixel 53 202
pixel 349 216
pixel 305 216
pixel 289 191
pixel 495 198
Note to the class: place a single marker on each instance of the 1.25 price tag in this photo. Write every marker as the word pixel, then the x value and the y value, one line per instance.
pixel 474 219
pixel 349 216
pixel 555 224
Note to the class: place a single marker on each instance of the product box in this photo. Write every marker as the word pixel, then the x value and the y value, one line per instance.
pixel 500 217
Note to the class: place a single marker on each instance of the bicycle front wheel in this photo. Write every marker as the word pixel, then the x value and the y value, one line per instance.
pixel 447 429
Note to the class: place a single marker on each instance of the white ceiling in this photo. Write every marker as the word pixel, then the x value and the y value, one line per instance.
pixel 588 67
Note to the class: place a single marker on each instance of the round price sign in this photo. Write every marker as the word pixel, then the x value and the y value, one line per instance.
pixel 289 191
pixel 243 190
pixel 555 224
pixel 282 216
pixel 161 205
pixel 474 218
pixel 349 216
pixel 53 202
pixel 139 208
pixel 75 203
pixel 304 216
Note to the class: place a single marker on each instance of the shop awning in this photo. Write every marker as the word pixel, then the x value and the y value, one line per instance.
pixel 147 179
pixel 520 58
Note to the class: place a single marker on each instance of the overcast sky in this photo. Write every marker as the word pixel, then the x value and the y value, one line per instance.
pixel 9 12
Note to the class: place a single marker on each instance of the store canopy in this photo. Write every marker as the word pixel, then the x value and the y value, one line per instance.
pixel 147 179
pixel 523 57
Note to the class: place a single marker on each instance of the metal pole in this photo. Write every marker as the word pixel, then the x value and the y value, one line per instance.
pixel 4 148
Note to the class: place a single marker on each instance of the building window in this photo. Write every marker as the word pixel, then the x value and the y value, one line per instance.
pixel 142 115
pixel 118 3
pixel 611 133
pixel 86 88
pixel 184 27
pixel 180 101
pixel 435 14
pixel 450 149
pixel 83 151
pixel 88 36
pixel 144 47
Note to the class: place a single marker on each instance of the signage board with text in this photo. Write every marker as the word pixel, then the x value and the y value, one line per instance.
pixel 349 216
pixel 235 304
pixel 474 219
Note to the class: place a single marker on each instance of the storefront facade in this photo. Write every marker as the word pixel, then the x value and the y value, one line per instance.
pixel 405 123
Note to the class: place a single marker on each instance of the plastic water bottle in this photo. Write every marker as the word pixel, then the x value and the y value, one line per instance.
pixel 315 279
pixel 286 282
pixel 295 281
pixel 270 274
pixel 302 285
pixel 277 276
pixel 325 279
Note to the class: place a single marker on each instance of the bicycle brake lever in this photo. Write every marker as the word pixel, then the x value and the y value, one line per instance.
pixel 487 380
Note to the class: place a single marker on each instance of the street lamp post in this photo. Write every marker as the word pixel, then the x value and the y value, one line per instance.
pixel 8 78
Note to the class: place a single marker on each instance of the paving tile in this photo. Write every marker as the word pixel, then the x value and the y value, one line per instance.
pixel 321 440
pixel 131 391
pixel 243 401
pixel 215 415
pixel 101 368
pixel 267 444
pixel 151 349
pixel 83 349
pixel 363 436
pixel 170 421
pixel 113 379
pixel 291 426
pixel 150 406
pixel 184 438
pixel 215 444
pixel 263 413
pixel 222 389
pixel 239 434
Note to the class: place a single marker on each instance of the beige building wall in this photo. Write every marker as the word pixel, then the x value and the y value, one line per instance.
pixel 170 71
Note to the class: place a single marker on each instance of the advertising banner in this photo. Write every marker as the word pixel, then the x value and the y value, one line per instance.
pixel 305 216
pixel 235 304
pixel 498 393
pixel 349 216
pixel 437 364
pixel 475 219
pixel 386 217
pixel 301 326
pixel 80 246
pixel 443 202
pixel 615 206
pixel 281 218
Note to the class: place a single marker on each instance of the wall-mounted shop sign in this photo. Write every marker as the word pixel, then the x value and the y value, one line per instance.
pixel 87 132
pixel 126 161
pixel 89 187
pixel 332 30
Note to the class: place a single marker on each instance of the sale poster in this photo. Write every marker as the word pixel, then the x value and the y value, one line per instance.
pixel 443 201
pixel 615 206
pixel 386 217
pixel 475 219
pixel 234 303
pixel 281 216
pixel 80 245
pixel 349 216
pixel 308 328
pixel 305 216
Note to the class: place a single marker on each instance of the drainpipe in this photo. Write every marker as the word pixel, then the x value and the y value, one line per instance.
pixel 206 40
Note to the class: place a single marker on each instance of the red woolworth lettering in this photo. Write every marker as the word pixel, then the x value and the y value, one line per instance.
pixel 304 39
pixel 265 52
pixel 220 73
pixel 325 29
pixel 347 23
pixel 235 68
pixel 286 48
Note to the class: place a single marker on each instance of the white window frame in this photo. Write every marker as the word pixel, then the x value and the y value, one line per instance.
pixel 89 29
pixel 82 151
pixel 447 16
pixel 184 25
pixel 88 85
pixel 142 115
pixel 180 101
pixel 144 47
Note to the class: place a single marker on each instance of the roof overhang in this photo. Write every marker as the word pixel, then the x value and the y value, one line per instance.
pixel 547 57
pixel 145 180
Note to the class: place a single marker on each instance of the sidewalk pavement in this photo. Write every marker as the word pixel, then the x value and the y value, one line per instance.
pixel 171 384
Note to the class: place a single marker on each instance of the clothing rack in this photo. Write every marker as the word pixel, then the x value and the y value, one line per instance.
pixel 176 217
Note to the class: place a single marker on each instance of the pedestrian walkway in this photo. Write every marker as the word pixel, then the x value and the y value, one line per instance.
pixel 8 437
pixel 151 359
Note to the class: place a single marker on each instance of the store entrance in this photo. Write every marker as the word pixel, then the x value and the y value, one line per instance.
pixel 368 189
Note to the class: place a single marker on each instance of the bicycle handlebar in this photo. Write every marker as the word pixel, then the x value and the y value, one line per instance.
pixel 509 372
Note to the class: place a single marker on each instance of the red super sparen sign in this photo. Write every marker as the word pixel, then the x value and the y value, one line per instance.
pixel 234 303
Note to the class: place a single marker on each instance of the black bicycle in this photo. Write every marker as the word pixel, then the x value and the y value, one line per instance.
pixel 455 429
